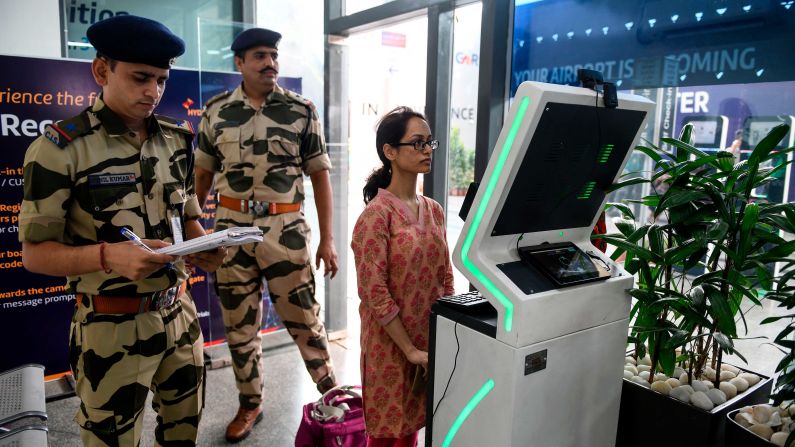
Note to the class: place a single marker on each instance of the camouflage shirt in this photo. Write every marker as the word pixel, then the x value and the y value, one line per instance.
pixel 89 176
pixel 261 154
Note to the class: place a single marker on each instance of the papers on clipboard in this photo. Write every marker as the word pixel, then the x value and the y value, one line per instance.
pixel 225 238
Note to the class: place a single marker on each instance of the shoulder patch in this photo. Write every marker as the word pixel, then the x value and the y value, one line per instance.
pixel 303 101
pixel 64 132
pixel 183 126
pixel 217 98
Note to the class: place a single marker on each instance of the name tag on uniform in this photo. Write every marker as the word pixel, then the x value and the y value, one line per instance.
pixel 176 227
pixel 98 180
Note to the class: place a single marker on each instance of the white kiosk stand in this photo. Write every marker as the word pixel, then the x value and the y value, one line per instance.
pixel 540 365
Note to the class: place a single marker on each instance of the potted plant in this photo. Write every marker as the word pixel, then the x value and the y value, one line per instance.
pixel 707 248
pixel 760 425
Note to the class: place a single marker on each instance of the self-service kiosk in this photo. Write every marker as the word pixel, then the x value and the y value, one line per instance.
pixel 710 133
pixel 754 129
pixel 540 364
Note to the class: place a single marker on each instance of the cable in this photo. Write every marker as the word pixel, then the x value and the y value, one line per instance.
pixel 597 258
pixel 455 361
pixel 517 245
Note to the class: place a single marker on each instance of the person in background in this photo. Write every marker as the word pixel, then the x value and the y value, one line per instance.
pixel 402 266
pixel 118 166
pixel 257 142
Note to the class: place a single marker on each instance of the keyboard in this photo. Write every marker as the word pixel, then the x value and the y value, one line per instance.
pixel 469 300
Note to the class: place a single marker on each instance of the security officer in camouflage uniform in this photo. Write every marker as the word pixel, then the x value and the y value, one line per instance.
pixel 257 142
pixel 115 166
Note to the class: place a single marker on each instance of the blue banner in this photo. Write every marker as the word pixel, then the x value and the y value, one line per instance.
pixel 35 310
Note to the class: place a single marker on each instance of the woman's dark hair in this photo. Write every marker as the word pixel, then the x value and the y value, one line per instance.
pixel 389 130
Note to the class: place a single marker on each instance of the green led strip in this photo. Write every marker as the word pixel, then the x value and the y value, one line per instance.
pixel 587 190
pixel 495 175
pixel 462 417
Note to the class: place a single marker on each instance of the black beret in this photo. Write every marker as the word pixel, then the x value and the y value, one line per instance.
pixel 128 38
pixel 256 37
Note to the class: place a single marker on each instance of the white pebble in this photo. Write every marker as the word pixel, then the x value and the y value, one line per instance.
pixel 779 438
pixel 678 371
pixel 661 387
pixel 681 394
pixel 744 419
pixel 644 375
pixel 631 369
pixel 762 413
pixel 727 375
pixel 716 396
pixel 660 376
pixel 728 389
pixel 762 430
pixel 688 388
pixel 709 373
pixel 734 369
pixel 683 378
pixel 775 420
pixel 699 386
pixel 752 379
pixel 644 368
pixel 645 361
pixel 673 383
pixel 628 374
pixel 640 381
pixel 631 360
pixel 708 384
pixel 701 400
pixel 740 383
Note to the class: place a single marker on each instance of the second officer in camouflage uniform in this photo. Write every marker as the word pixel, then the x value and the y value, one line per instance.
pixel 257 142
pixel 115 166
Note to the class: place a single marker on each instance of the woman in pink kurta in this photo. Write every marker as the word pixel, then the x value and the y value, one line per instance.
pixel 402 266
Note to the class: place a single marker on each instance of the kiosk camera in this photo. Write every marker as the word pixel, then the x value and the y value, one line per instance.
pixel 540 364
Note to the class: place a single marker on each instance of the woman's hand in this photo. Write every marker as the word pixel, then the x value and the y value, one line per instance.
pixel 417 357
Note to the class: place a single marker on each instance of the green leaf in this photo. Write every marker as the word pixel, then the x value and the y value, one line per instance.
pixel 675 197
pixel 767 144
pixel 650 152
pixel 724 342
pixel 625 183
pixel 720 311
pixel 625 210
pixel 629 247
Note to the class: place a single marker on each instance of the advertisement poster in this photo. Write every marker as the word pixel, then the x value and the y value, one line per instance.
pixel 35 310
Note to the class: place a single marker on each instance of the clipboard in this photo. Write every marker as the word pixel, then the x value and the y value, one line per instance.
pixel 226 238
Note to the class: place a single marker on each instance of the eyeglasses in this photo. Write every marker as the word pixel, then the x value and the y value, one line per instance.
pixel 420 145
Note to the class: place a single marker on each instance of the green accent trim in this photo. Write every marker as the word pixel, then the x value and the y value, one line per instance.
pixel 462 417
pixel 481 210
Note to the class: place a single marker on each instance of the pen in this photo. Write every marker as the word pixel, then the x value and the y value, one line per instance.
pixel 137 241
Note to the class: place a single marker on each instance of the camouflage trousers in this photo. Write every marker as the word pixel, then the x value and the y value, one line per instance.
pixel 117 359
pixel 283 260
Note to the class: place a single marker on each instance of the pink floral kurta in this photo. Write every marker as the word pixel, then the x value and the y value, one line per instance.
pixel 402 266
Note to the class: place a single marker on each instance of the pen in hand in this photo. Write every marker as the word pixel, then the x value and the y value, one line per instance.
pixel 137 241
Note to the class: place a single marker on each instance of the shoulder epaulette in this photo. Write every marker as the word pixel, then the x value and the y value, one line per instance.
pixel 217 98
pixel 64 132
pixel 303 101
pixel 183 126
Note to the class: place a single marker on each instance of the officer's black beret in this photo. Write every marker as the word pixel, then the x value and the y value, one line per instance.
pixel 128 38
pixel 255 37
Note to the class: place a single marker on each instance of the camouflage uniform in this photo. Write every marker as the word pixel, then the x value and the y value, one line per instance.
pixel 262 155
pixel 85 179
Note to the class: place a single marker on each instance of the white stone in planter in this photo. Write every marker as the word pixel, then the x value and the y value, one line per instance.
pixel 631 369
pixel 775 419
pixel 762 430
pixel 681 393
pixel 709 384
pixel 701 400
pixel 673 382
pixel 740 383
pixel 716 396
pixel 645 361
pixel 644 375
pixel 728 389
pixel 628 374
pixel 644 368
pixel 683 378
pixel 734 369
pixel 727 375
pixel 688 388
pixel 762 413
pixel 640 380
pixel 631 360
pixel 660 376
pixel 709 373
pixel 661 387
pixel 744 419
pixel 752 379
pixel 678 371
pixel 699 386
pixel 779 438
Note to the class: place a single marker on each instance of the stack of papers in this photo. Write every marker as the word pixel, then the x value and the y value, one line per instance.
pixel 225 238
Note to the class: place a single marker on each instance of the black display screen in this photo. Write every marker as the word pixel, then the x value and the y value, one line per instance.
pixel 564 263
pixel 572 158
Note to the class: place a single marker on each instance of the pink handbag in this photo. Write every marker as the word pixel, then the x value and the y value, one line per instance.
pixel 335 420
